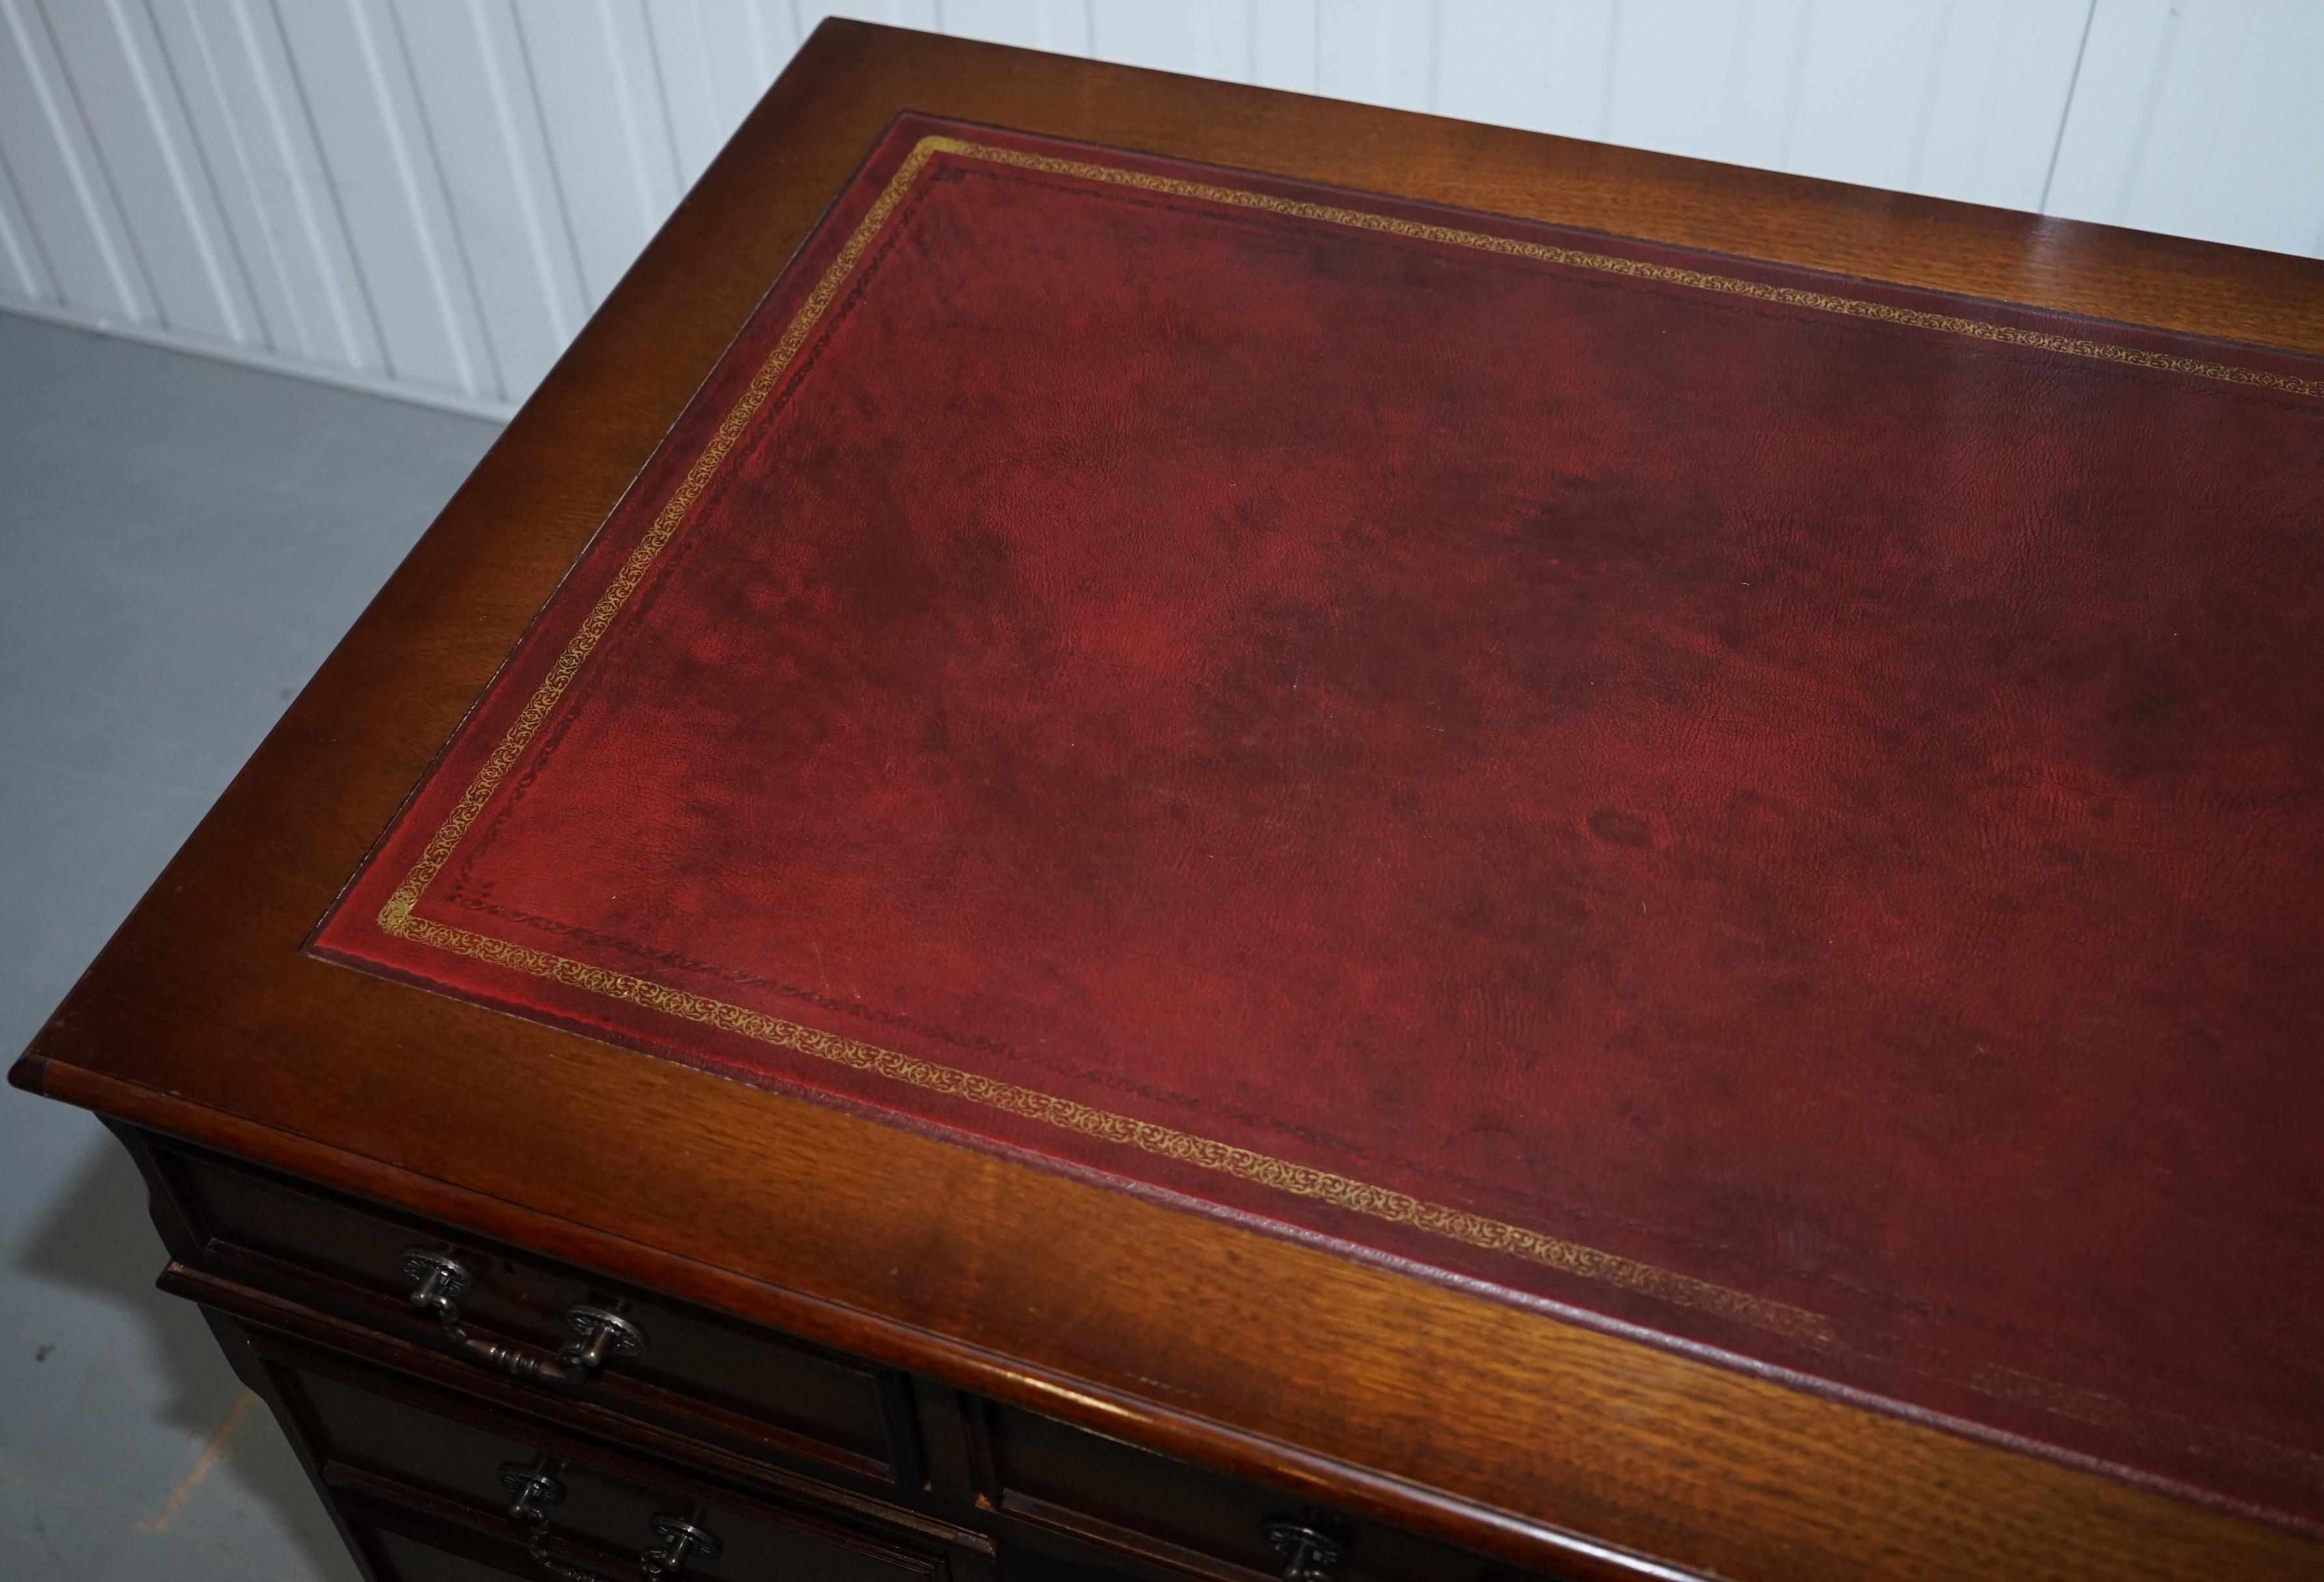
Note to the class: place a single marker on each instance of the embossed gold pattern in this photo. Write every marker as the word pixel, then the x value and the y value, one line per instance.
pixel 1302 1180
pixel 398 917
pixel 1667 274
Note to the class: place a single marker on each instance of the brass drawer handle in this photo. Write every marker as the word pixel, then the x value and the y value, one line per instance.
pixel 537 1488
pixel 681 1540
pixel 1309 1554
pixel 440 1279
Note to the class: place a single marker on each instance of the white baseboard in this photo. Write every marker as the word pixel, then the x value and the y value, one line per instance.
pixel 378 384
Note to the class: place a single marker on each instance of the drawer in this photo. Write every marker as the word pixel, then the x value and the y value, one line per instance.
pixel 1179 1518
pixel 399 1545
pixel 438 1485
pixel 693 1371
pixel 402 1544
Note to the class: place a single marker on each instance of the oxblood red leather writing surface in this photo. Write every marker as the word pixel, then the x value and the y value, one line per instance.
pixel 1780 812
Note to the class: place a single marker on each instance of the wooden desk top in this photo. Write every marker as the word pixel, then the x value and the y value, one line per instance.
pixel 1511 1430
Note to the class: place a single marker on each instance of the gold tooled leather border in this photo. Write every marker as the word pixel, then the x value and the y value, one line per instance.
pixel 398 918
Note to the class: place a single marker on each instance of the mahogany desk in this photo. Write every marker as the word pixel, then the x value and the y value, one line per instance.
pixel 1865 1289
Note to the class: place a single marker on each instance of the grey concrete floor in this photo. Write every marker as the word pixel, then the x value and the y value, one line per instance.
pixel 181 544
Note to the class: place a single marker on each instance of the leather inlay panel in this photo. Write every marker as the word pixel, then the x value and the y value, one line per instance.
pixel 1772 809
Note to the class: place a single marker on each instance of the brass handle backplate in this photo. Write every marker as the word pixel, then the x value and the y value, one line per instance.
pixel 681 1540
pixel 1309 1554
pixel 537 1488
pixel 601 1333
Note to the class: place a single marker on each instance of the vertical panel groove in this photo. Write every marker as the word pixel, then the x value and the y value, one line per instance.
pixel 196 221
pixel 549 151
pixel 2137 163
pixel 1932 82
pixel 310 222
pixel 239 150
pixel 658 75
pixel 2066 109
pixel 754 29
pixel 454 327
pixel 400 153
pixel 331 185
pixel 22 253
pixel 52 114
pixel 529 210
pixel 104 174
pixel 625 105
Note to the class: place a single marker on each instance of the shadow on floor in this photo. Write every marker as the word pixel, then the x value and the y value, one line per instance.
pixel 100 1242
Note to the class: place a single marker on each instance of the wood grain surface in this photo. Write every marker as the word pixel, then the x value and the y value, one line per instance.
pixel 1544 1442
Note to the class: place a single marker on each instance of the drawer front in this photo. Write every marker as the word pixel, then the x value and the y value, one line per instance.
pixel 693 1370
pixel 400 1544
pixel 1176 1516
pixel 400 1549
pixel 436 1480
pixel 308 1268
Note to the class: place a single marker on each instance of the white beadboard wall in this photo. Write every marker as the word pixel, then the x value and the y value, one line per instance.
pixel 429 197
